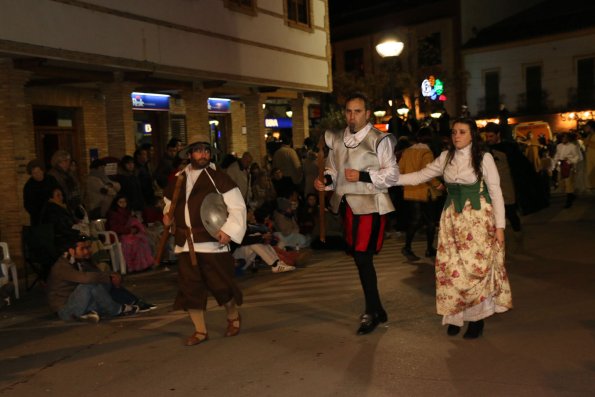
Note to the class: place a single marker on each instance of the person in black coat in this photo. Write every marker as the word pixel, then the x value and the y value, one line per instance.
pixel 527 185
pixel 143 172
pixel 37 190
pixel 130 186
pixel 56 213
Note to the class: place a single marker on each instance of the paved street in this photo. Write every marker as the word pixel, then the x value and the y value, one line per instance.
pixel 298 334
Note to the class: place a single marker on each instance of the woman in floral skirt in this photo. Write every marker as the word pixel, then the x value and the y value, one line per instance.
pixel 471 281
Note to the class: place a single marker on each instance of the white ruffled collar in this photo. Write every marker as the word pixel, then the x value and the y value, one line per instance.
pixel 464 152
pixel 352 140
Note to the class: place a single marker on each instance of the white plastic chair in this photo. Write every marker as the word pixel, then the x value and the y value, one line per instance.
pixel 8 266
pixel 111 243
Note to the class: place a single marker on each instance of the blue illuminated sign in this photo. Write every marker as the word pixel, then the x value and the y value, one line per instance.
pixel 219 105
pixel 281 122
pixel 144 101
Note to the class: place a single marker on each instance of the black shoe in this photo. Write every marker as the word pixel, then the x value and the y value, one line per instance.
pixel 381 316
pixel 145 306
pixel 409 254
pixel 474 330
pixel 129 310
pixel 453 330
pixel 431 253
pixel 368 324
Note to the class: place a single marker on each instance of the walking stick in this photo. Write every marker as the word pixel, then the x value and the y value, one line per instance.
pixel 321 194
pixel 170 213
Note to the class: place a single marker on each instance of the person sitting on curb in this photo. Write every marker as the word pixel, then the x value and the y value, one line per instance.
pixel 257 241
pixel 118 293
pixel 286 226
pixel 75 294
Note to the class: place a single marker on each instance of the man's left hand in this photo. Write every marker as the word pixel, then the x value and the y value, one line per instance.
pixel 351 175
pixel 223 238
pixel 116 279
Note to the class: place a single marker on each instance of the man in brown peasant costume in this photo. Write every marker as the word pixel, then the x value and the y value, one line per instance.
pixel 205 262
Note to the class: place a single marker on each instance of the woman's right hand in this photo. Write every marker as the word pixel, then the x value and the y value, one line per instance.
pixel 167 221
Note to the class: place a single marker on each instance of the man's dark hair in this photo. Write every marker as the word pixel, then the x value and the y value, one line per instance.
pixel 173 142
pixel 125 160
pixel 358 95
pixel 492 127
pixel 96 164
pixel 308 143
pixel 75 237
pixel 424 135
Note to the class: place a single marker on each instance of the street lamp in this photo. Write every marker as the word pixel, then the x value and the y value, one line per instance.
pixel 403 110
pixel 379 113
pixel 390 48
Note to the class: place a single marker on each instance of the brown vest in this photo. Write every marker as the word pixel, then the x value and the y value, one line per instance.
pixel 202 187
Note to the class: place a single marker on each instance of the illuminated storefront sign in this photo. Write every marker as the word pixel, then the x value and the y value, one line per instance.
pixel 281 122
pixel 145 101
pixel 219 105
pixel 433 88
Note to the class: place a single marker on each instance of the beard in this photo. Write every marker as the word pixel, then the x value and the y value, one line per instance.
pixel 199 164
pixel 352 128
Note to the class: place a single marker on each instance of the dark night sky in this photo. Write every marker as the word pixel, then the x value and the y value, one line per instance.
pixel 344 11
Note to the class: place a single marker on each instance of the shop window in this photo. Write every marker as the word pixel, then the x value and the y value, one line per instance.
pixel 245 6
pixel 354 61
pixel 492 92
pixel 178 128
pixel 297 13
pixel 585 90
pixel 533 88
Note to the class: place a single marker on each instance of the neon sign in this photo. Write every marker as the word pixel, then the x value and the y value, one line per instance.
pixel 433 88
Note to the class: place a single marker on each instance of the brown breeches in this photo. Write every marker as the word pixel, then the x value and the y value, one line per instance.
pixel 214 274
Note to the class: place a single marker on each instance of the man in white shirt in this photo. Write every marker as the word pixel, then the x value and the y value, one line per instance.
pixel 360 168
pixel 568 155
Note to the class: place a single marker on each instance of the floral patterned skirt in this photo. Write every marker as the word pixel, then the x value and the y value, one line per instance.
pixel 471 281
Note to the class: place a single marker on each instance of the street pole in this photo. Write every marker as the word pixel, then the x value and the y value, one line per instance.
pixel 390 48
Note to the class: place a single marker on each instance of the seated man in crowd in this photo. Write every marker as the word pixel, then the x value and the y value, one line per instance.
pixel 286 226
pixel 76 293
pixel 257 242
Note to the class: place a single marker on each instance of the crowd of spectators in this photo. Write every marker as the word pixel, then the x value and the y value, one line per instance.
pixel 283 212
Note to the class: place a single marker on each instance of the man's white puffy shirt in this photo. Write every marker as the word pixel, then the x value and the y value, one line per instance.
pixel 388 173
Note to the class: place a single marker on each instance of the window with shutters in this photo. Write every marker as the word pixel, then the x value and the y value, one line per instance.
pixel 492 92
pixel 533 89
pixel 585 85
pixel 354 61
pixel 178 128
pixel 244 6
pixel 297 13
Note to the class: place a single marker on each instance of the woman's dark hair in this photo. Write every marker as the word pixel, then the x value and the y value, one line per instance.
pixel 54 188
pixel 477 149
pixel 114 204
pixel 125 160
pixel 35 163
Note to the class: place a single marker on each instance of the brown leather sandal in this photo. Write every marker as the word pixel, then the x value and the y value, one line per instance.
pixel 196 338
pixel 232 330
